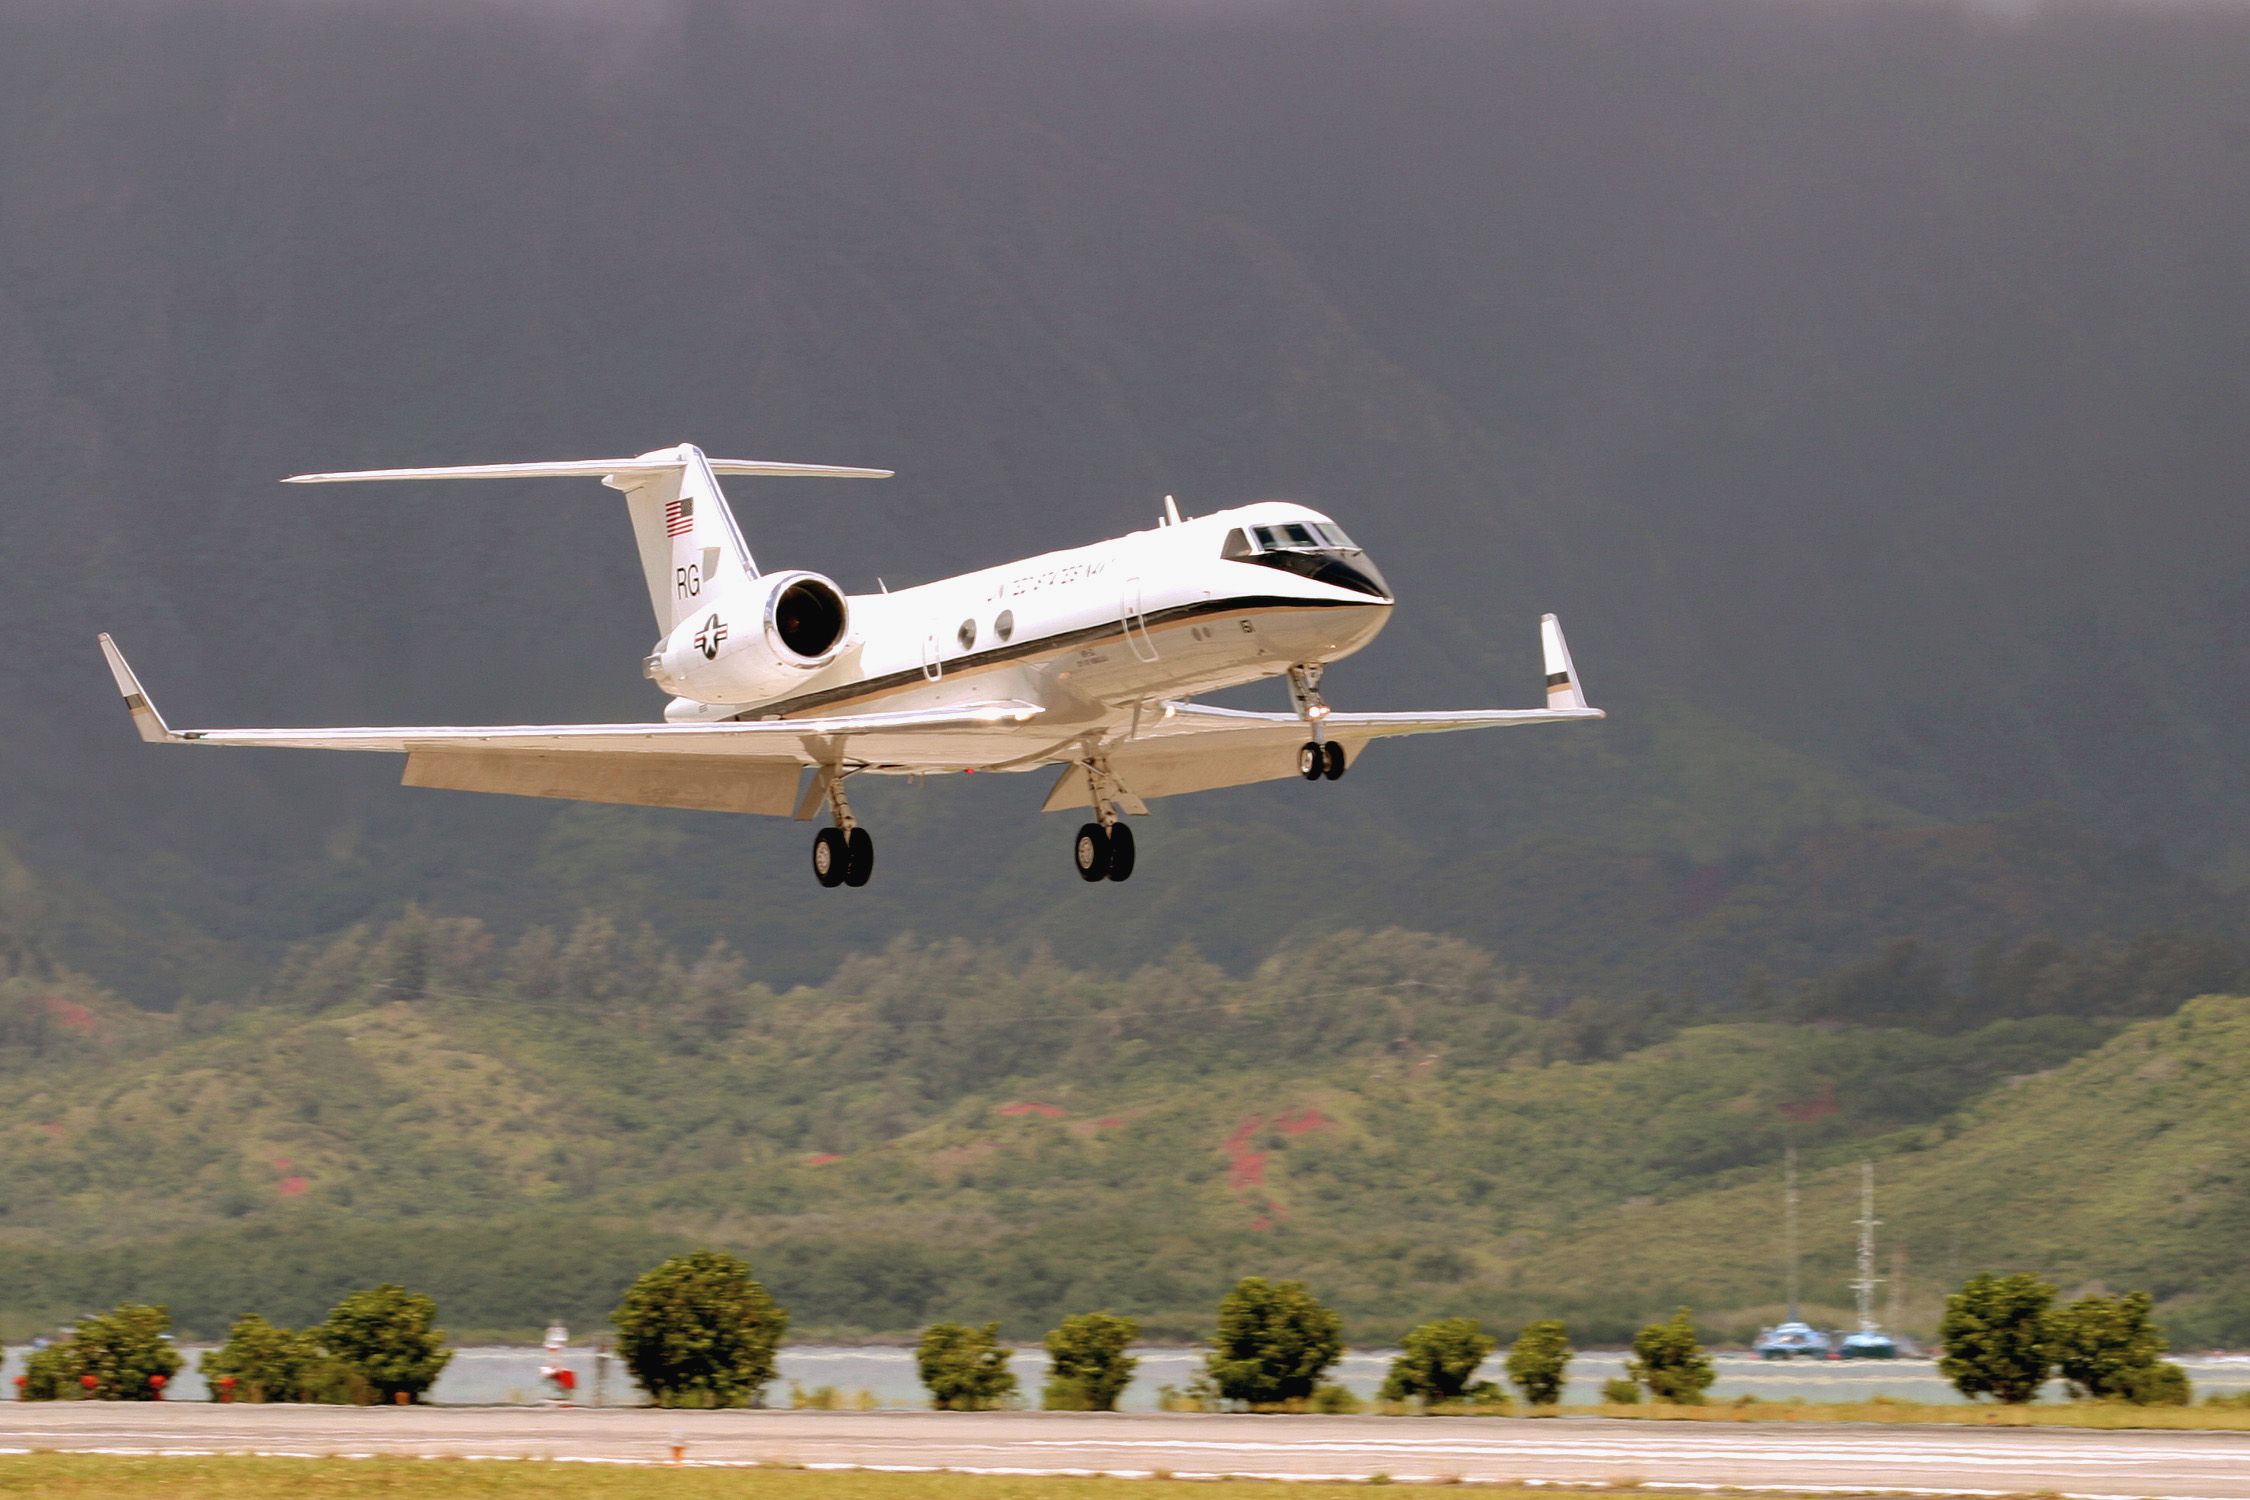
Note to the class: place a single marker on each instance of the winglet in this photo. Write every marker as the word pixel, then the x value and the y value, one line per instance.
pixel 1563 687
pixel 145 717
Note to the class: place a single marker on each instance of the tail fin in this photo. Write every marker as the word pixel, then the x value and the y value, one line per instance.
pixel 688 539
pixel 690 545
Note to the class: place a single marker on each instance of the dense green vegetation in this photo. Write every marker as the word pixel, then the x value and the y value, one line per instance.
pixel 945 1130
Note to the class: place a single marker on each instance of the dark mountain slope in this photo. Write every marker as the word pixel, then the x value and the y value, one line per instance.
pixel 1858 381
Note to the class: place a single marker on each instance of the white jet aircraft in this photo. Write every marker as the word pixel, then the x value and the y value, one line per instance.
pixel 1084 659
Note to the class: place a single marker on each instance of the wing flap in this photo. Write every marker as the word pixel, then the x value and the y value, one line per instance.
pixel 739 785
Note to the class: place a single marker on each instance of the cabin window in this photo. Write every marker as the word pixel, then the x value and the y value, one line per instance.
pixel 967 634
pixel 1005 625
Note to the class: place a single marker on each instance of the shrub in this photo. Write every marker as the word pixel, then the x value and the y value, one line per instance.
pixel 1539 1362
pixel 1619 1391
pixel 1996 1336
pixel 2161 1384
pixel 2107 1348
pixel 1087 1366
pixel 51 1375
pixel 1438 1363
pixel 699 1331
pixel 266 1363
pixel 1670 1363
pixel 1274 1342
pixel 1335 1401
pixel 121 1355
pixel 964 1368
pixel 387 1336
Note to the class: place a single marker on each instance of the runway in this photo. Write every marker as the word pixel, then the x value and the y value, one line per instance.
pixel 1806 1457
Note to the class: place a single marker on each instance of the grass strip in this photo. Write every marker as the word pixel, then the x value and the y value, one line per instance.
pixel 76 1476
pixel 2101 1414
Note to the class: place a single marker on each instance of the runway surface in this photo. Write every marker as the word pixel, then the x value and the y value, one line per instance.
pixel 1806 1457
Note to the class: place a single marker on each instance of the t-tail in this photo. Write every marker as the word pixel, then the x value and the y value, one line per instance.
pixel 691 548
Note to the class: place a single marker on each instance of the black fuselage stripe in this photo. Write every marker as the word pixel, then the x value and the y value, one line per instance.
pixel 1039 646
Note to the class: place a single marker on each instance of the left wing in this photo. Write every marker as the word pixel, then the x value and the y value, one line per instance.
pixel 1194 748
pixel 734 766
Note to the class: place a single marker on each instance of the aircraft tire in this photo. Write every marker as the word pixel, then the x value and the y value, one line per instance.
pixel 830 859
pixel 1120 852
pixel 1312 760
pixel 1091 851
pixel 1332 762
pixel 859 857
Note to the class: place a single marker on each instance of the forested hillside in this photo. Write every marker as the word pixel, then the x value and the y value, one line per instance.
pixel 1861 383
pixel 961 1130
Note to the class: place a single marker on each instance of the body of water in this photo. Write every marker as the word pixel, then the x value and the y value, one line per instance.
pixel 490 1375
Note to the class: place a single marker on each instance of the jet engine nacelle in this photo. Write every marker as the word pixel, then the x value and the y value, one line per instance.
pixel 755 642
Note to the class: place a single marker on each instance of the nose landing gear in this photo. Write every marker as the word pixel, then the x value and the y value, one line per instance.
pixel 1317 759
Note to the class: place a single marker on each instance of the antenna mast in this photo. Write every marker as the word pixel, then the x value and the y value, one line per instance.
pixel 1789 1221
pixel 1865 1285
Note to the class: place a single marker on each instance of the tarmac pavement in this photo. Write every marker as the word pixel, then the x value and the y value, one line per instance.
pixel 1797 1457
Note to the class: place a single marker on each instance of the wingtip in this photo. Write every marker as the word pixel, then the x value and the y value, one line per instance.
pixel 145 717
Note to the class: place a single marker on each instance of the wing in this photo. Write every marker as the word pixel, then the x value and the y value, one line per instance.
pixel 1193 748
pixel 748 766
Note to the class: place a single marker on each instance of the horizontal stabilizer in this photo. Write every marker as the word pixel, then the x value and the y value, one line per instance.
pixel 594 468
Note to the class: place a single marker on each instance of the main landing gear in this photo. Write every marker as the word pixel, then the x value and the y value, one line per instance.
pixel 1317 759
pixel 844 854
pixel 1103 849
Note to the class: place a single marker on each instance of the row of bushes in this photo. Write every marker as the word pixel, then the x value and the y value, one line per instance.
pixel 700 1331
pixel 2006 1337
pixel 381 1344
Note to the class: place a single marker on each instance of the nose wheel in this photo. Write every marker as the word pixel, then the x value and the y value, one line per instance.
pixel 1321 761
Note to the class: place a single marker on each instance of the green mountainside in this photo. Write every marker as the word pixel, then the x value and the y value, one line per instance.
pixel 1861 383
pixel 951 1130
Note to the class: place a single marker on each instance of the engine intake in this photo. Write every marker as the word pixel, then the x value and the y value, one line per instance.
pixel 807 617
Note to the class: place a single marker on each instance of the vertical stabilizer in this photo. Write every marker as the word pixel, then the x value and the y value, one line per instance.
pixel 689 543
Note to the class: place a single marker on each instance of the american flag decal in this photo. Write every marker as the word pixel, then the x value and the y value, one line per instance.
pixel 679 516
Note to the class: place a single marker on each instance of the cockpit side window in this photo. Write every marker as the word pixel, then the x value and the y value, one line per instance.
pixel 1237 546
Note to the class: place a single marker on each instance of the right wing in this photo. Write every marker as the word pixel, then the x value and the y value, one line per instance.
pixel 1195 748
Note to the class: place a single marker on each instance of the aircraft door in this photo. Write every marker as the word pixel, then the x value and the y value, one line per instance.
pixel 1136 625
pixel 933 665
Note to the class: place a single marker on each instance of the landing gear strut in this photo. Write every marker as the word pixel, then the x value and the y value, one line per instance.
pixel 844 854
pixel 1317 759
pixel 1103 849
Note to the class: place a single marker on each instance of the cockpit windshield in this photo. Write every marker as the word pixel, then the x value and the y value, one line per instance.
pixel 1318 550
pixel 1303 536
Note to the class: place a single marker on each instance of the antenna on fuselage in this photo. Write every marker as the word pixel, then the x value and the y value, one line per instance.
pixel 1171 511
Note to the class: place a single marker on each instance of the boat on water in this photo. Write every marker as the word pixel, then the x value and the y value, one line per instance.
pixel 1869 1341
pixel 1792 1339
